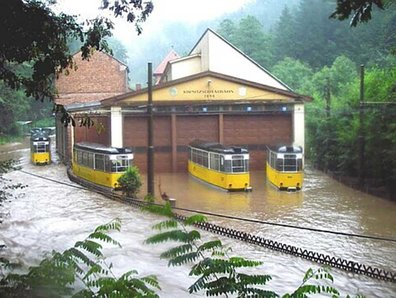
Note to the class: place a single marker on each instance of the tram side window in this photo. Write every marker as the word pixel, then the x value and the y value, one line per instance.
pixel 227 166
pixel 272 159
pixel 90 160
pixel 200 157
pixel 215 161
pixel 85 158
pixel 99 162
pixel 279 164
pixel 299 164
pixel 107 163
pixel 205 159
pixel 79 157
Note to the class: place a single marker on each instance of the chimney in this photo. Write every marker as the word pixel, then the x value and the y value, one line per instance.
pixel 138 87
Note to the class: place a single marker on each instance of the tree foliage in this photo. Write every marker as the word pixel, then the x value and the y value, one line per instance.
pixel 359 9
pixel 80 271
pixel 130 181
pixel 32 33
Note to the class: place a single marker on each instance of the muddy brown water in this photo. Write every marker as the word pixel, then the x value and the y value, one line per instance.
pixel 50 216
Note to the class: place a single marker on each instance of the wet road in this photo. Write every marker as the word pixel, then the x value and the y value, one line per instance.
pixel 53 216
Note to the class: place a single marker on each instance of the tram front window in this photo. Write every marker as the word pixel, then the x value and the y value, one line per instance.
pixel 120 164
pixel 238 164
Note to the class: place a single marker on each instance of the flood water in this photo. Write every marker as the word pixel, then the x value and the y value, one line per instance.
pixel 51 216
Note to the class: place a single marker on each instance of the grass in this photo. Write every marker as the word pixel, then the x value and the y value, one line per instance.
pixel 4 139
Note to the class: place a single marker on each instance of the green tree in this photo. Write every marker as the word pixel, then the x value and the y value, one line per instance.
pixel 253 41
pixel 283 35
pixel 294 73
pixel 228 30
pixel 32 32
pixel 130 182
pixel 14 106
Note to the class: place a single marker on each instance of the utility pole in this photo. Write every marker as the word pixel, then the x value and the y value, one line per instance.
pixel 362 173
pixel 150 151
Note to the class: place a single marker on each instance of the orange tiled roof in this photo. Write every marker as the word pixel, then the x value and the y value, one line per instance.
pixel 161 67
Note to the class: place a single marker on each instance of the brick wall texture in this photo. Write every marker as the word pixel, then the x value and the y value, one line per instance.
pixel 100 77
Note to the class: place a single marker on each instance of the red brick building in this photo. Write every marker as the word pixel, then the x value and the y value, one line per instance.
pixel 99 77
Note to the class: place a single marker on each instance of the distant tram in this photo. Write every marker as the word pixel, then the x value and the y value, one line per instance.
pixel 284 167
pixel 226 167
pixel 100 164
pixel 40 148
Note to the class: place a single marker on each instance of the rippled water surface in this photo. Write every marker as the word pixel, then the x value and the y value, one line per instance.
pixel 48 215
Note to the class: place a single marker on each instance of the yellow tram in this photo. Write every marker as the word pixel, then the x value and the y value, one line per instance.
pixel 100 164
pixel 284 167
pixel 40 148
pixel 226 167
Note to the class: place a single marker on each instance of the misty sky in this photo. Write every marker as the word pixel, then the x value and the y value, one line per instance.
pixel 165 11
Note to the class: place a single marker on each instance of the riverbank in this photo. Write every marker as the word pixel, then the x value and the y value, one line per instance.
pixel 373 187
pixel 11 140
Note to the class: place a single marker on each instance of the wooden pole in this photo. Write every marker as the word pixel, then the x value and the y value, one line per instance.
pixel 150 151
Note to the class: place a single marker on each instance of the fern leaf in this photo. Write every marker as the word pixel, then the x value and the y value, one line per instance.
pixel 242 262
pixel 176 251
pixel 195 219
pixel 255 292
pixel 212 266
pixel 210 245
pixel 220 286
pixel 168 224
pixel 139 285
pixel 90 246
pixel 152 281
pixel 198 285
pixel 114 225
pixel 128 274
pixel 245 279
pixel 183 259
pixel 77 254
pixel 175 235
pixel 193 235
pixel 103 237
pixel 308 274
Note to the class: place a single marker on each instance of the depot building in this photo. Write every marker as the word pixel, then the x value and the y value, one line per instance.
pixel 215 93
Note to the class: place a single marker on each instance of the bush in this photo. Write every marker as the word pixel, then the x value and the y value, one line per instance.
pixel 130 182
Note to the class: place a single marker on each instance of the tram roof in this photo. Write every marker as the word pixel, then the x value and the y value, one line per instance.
pixel 100 148
pixel 217 147
pixel 39 136
pixel 286 149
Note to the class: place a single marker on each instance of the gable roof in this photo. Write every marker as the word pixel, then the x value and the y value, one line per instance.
pixel 248 62
pixel 102 52
pixel 161 67
pixel 118 100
